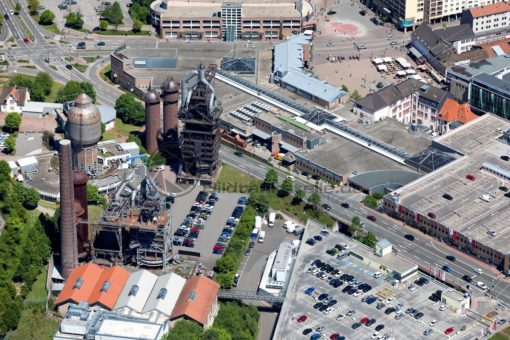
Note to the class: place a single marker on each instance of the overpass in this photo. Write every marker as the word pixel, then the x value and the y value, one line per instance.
pixel 249 295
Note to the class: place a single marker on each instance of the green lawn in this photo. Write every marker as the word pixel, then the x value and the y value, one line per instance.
pixel 33 324
pixel 105 73
pixel 507 330
pixel 80 67
pixel 48 204
pixel 114 32
pixel 91 59
pixel 233 180
pixel 498 336
pixel 120 130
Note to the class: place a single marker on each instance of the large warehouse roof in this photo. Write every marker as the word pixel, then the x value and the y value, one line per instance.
pixel 165 293
pixel 136 291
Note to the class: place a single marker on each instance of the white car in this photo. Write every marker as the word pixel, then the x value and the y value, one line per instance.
pixel 433 323
pixel 478 271
pixel 328 310
pixel 375 335
pixel 390 300
pixel 377 274
pixel 412 288
pixel 340 317
pixel 481 285
pixel 358 293
pixel 443 307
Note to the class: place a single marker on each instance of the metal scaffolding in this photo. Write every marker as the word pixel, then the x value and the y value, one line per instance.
pixel 135 228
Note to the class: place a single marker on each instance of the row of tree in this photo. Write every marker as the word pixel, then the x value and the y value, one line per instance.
pixel 130 110
pixel 24 248
pixel 234 321
pixel 271 182
pixel 73 88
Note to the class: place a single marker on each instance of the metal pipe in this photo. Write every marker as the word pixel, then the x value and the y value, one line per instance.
pixel 68 237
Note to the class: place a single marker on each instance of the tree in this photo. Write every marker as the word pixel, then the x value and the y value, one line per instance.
pixel 298 196
pixel 114 14
pixel 286 187
pixel 370 201
pixel 31 198
pixel 12 122
pixel 74 20
pixel 33 6
pixel 345 88
pixel 259 202
pixel 129 110
pixel 140 10
pixel 355 95
pixel 74 88
pixel 45 81
pixel 20 80
pixel 137 25
pixel 185 329
pixel 271 179
pixel 314 199
pixel 46 17
pixel 369 239
pixel 103 25
pixel 378 195
pixel 10 145
pixel 355 225
pixel 93 196
pixel 356 221
pixel 239 320
pixel 17 8
pixel 37 92
pixel 216 334
pixel 5 172
pixel 225 280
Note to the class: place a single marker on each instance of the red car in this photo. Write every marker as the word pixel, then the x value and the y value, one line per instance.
pixel 371 218
pixel 470 177
pixel 334 336
pixel 302 318
pixel 26 40
pixel 194 230
pixel 364 320
pixel 448 331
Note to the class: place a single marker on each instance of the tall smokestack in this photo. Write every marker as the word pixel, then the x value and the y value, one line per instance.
pixel 170 96
pixel 152 120
pixel 80 195
pixel 68 243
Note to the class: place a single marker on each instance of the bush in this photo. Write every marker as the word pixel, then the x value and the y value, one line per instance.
pixel 12 122
pixel 46 17
pixel 129 110
pixel 370 202
pixel 74 20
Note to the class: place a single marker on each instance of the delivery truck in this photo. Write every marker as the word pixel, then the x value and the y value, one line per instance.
pixel 262 235
pixel 255 233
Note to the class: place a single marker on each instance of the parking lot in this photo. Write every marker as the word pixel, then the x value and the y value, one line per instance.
pixel 345 314
pixel 212 227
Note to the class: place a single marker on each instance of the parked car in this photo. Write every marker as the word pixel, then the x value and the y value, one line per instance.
pixel 470 177
pixel 307 331
pixel 379 328
pixel 26 40
pixel 449 330
pixel 427 332
pixel 69 66
pixel 302 318
pixel 356 325
pixel 309 290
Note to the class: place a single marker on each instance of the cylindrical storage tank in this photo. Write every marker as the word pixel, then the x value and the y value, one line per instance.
pixel 80 195
pixel 84 122
pixel 68 244
pixel 170 94
pixel 152 120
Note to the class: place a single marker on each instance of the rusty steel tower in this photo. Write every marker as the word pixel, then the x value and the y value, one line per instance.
pixel 152 120
pixel 200 112
pixel 170 96
pixel 80 179
pixel 68 237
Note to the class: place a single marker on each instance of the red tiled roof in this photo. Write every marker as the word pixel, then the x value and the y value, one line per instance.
pixel 196 299
pixel 107 295
pixel 492 9
pixel 87 274
pixel 18 93
pixel 453 111
pixel 504 44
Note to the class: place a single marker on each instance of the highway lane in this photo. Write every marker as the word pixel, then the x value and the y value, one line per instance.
pixel 422 250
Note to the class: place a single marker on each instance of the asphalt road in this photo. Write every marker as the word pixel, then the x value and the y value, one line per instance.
pixel 423 250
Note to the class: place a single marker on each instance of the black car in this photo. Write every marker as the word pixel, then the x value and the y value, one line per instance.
pixel 326 207
pixel 317 238
pixel 503 188
pixel 448 197
pixel 81 46
pixel 316 177
pixel 323 308
pixel 505 158
pixel 318 305
pixel 177 242
pixel 356 325
pixel 346 288
pixel 380 305
pixel 337 283
pixel 69 66
pixel 390 310
pixel 181 232
pixel 323 296
pixel 332 303
pixel 418 315
pixel 331 12
pixel 379 328
pixel 467 278
pixel 345 205
pixel 450 258
pixel 310 241
pixel 409 237
pixel 101 43
pixel 370 322
pixel 238 154
pixel 307 331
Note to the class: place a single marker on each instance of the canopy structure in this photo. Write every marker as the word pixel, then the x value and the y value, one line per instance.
pixel 382 67
pixel 401 73
pixel 402 62
pixel 387 59
pixel 416 76
pixel 377 61
pixel 411 71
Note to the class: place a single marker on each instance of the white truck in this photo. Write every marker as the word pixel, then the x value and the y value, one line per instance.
pixel 255 233
pixel 262 235
pixel 288 224
pixel 291 228
pixel 258 222
pixel 272 217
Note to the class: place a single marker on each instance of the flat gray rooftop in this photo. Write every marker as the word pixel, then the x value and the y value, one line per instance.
pixel 345 157
pixel 150 52
pixel 467 213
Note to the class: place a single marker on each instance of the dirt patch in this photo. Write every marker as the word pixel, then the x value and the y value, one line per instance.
pixel 348 29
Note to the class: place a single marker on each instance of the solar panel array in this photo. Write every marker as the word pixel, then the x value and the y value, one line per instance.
pixel 248 111
pixel 375 142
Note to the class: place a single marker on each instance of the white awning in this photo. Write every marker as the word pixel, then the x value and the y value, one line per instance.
pixel 377 61
pixel 382 67
pixel 401 73
pixel 388 59
pixel 411 71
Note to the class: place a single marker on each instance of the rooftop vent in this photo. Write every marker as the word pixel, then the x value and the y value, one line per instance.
pixel 78 283
pixel 192 295
pixel 162 293
pixel 106 286
pixel 424 88
pixel 133 290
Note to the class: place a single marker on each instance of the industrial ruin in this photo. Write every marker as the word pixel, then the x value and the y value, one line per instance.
pixel 135 227
pixel 200 135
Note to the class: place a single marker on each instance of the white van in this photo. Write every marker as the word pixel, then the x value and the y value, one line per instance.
pixel 485 198
pixel 262 236
pixel 272 217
